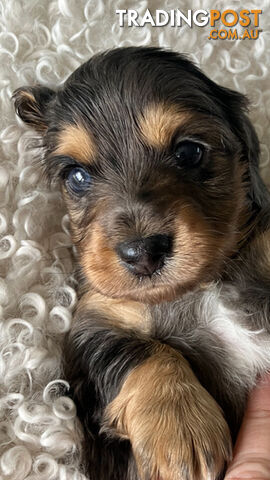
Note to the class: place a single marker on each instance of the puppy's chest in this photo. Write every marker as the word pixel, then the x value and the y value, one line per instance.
pixel 218 323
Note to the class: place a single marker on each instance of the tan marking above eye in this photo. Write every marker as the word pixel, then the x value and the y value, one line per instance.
pixel 76 142
pixel 159 122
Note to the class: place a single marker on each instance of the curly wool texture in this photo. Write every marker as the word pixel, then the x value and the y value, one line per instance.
pixel 44 41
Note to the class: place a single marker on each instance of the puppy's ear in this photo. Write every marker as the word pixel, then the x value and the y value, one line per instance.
pixel 31 104
pixel 235 106
pixel 258 193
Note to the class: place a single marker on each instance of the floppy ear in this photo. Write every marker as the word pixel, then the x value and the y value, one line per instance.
pixel 235 106
pixel 258 193
pixel 31 105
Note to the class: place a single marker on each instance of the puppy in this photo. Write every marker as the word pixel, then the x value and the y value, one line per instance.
pixel 158 166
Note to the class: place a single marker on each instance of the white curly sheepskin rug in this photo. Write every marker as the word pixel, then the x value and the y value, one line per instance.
pixel 43 42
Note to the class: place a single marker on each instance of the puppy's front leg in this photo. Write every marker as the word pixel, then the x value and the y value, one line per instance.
pixel 176 429
pixel 146 392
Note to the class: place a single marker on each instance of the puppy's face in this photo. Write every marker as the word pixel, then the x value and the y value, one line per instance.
pixel 153 170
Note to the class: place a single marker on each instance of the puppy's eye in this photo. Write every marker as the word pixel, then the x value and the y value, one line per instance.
pixel 189 154
pixel 78 180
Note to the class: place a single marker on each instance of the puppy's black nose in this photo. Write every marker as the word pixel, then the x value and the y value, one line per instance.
pixel 145 256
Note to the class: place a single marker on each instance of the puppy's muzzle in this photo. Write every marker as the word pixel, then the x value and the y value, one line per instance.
pixel 145 256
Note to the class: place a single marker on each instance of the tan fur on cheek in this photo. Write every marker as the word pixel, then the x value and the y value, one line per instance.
pixel 175 427
pixel 101 264
pixel 196 247
pixel 202 242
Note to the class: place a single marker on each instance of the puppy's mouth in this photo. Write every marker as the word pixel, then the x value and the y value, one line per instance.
pixel 151 279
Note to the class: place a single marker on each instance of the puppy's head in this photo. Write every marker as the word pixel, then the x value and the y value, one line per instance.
pixel 158 166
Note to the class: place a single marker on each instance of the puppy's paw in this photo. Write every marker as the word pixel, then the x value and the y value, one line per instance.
pixel 187 440
pixel 176 429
